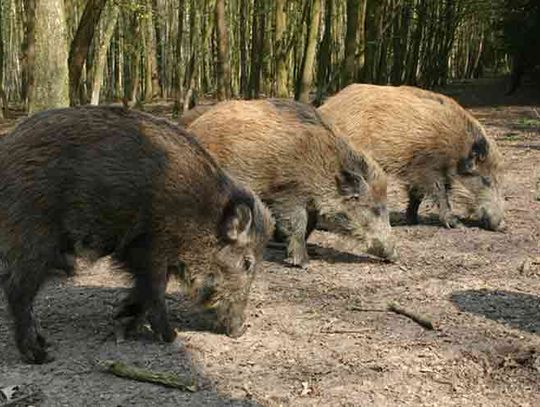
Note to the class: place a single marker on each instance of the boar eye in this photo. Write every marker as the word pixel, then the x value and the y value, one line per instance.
pixel 486 181
pixel 248 264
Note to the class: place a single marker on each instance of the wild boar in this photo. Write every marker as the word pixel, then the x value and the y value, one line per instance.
pixel 191 115
pixel 301 169
pixel 131 185
pixel 429 142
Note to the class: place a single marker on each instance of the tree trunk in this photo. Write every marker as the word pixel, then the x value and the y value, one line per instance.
pixel 152 86
pixel 100 58
pixel 178 58
pixel 373 25
pixel 3 106
pixel 348 72
pixel 28 50
pixel 223 68
pixel 361 48
pixel 281 49
pixel 244 77
pixel 325 55
pixel 50 69
pixel 306 73
pixel 257 45
pixel 80 45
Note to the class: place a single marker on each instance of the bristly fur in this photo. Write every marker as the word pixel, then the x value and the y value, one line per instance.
pixel 128 184
pixel 290 157
pixel 424 138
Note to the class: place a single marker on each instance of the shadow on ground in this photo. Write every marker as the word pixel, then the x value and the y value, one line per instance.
pixel 77 321
pixel 517 310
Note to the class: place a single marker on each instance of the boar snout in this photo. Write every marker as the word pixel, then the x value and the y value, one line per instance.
pixel 384 249
pixel 232 321
pixel 492 221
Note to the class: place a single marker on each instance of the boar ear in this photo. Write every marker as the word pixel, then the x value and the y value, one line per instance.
pixel 237 222
pixel 350 184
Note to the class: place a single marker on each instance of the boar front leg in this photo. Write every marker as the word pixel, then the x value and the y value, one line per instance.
pixel 292 222
pixel 415 199
pixel 147 297
pixel 442 197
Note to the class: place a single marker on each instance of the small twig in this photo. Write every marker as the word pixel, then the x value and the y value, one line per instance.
pixel 360 309
pixel 420 320
pixel 536 111
pixel 144 375
pixel 344 331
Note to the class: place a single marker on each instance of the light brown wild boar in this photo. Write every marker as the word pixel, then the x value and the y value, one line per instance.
pixel 301 169
pixel 429 142
pixel 131 185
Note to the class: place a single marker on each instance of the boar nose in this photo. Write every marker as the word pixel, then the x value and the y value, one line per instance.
pixel 236 330
pixel 385 250
pixel 490 222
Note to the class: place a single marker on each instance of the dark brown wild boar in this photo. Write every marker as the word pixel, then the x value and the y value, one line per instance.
pixel 429 142
pixel 126 183
pixel 301 169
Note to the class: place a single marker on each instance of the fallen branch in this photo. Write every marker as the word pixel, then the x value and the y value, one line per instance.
pixel 345 331
pixel 121 369
pixel 420 320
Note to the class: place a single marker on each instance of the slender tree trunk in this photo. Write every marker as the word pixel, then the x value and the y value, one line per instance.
pixel 373 23
pixel 3 107
pixel 28 50
pixel 50 69
pixel 257 45
pixel 361 49
pixel 281 49
pixel 244 77
pixel 178 57
pixel 110 19
pixel 80 45
pixel 152 86
pixel 223 68
pixel 325 55
pixel 348 70
pixel 306 75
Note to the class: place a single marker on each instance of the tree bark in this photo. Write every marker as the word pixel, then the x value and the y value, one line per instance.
pixel 257 45
pixel 152 85
pixel 110 19
pixel 325 55
pixel 244 77
pixel 348 73
pixel 178 58
pixel 361 49
pixel 281 49
pixel 28 50
pixel 306 73
pixel 80 45
pixel 223 68
pixel 50 69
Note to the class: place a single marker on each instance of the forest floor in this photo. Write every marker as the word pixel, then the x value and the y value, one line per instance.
pixel 321 337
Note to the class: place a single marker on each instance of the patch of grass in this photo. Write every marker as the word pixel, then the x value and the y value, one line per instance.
pixel 527 123
pixel 512 137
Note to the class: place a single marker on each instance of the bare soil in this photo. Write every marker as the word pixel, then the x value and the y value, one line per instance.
pixel 322 337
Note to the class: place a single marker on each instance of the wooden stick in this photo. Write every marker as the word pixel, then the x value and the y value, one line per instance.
pixel 420 320
pixel 345 331
pixel 121 369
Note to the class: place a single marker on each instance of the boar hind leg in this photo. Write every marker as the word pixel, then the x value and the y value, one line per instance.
pixel 20 288
pixel 442 196
pixel 147 297
pixel 293 224
pixel 415 199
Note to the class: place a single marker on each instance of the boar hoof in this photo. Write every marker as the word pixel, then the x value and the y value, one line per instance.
pixel 168 335
pixel 33 350
pixel 452 222
pixel 302 263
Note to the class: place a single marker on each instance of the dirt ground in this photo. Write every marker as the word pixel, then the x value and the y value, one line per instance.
pixel 321 337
